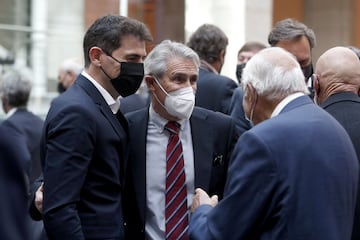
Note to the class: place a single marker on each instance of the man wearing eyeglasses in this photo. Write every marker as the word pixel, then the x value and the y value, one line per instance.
pixel 85 135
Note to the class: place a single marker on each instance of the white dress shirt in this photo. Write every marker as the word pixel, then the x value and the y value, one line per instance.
pixel 113 104
pixel 157 140
pixel 285 102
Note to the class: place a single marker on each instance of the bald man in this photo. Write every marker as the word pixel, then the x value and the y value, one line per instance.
pixel 337 84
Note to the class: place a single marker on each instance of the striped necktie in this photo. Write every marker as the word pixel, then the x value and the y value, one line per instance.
pixel 176 212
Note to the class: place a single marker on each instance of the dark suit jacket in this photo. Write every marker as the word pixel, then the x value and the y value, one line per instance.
pixel 345 107
pixel 213 136
pixel 134 102
pixel 84 154
pixel 30 126
pixel 13 185
pixel 237 110
pixel 214 91
pixel 293 176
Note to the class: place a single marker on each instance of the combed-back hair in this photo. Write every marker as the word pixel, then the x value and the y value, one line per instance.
pixel 107 32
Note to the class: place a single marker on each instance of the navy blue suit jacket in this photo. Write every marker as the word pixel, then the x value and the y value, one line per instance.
pixel 84 155
pixel 237 110
pixel 214 91
pixel 293 176
pixel 13 185
pixel 214 136
pixel 30 126
pixel 345 107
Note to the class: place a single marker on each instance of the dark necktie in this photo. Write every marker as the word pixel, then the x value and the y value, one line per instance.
pixel 176 212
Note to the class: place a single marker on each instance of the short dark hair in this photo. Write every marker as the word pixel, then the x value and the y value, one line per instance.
pixel 290 29
pixel 252 46
pixel 208 41
pixel 106 33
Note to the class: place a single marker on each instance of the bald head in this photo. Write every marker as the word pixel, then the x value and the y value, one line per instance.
pixel 338 70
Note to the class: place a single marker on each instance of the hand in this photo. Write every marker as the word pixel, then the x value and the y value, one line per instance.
pixel 39 198
pixel 201 197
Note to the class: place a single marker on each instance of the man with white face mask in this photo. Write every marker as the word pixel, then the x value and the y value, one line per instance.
pixel 207 139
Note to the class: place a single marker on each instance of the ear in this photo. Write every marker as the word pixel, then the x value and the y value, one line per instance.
pixel 222 56
pixel 316 84
pixel 250 92
pixel 150 81
pixel 95 54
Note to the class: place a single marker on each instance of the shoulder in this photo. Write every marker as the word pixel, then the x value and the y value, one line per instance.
pixel 217 118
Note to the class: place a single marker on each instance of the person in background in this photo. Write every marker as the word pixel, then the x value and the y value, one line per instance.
pixel 214 91
pixel 206 139
pixel 14 156
pixel 298 39
pixel 15 90
pixel 68 72
pixel 247 51
pixel 336 87
pixel 280 186
pixel 85 137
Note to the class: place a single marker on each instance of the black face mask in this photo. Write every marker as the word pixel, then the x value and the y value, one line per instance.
pixel 307 71
pixel 239 69
pixel 60 88
pixel 129 79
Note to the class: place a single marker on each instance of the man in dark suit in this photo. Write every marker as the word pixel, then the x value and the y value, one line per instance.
pixel 14 156
pixel 85 136
pixel 15 91
pixel 336 85
pixel 281 186
pixel 207 139
pixel 214 91
pixel 298 39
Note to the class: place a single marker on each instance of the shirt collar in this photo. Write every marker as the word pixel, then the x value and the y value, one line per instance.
pixel 114 104
pixel 10 112
pixel 205 65
pixel 160 122
pixel 285 102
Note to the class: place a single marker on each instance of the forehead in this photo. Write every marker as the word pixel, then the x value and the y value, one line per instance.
pixel 182 65
pixel 300 48
pixel 132 45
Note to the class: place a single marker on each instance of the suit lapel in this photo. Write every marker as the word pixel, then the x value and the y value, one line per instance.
pixel 103 106
pixel 202 150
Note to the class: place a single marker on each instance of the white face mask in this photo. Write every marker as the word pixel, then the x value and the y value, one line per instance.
pixel 179 103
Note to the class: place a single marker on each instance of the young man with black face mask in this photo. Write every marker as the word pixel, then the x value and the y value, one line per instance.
pixel 206 138
pixel 247 51
pixel 298 39
pixel 85 137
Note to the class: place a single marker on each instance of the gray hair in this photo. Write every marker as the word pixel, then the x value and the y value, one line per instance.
pixel 15 88
pixel 72 65
pixel 290 29
pixel 156 62
pixel 274 73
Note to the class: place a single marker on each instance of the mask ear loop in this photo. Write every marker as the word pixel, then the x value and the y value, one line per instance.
pixel 158 83
pixel 162 89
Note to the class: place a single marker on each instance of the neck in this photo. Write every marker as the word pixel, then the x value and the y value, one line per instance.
pixel 264 109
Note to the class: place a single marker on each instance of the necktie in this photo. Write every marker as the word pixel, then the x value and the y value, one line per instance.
pixel 176 213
